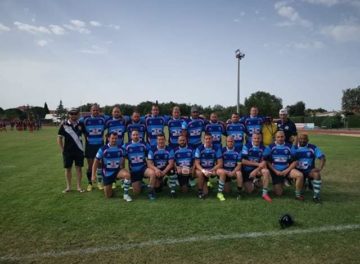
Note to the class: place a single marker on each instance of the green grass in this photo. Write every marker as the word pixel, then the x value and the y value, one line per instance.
pixel 37 218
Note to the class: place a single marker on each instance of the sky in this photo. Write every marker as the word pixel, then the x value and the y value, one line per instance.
pixel 111 52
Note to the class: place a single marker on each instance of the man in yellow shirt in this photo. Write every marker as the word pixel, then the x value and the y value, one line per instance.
pixel 268 131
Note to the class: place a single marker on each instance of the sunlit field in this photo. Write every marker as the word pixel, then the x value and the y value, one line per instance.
pixel 40 224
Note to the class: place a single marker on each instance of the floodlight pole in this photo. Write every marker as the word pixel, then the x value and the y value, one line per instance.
pixel 239 55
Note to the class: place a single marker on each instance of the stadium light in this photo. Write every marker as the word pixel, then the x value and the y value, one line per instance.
pixel 239 55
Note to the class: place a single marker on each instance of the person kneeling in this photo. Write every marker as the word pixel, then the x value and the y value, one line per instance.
pixel 111 157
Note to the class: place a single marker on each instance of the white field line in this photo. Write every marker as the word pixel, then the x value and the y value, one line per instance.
pixel 173 241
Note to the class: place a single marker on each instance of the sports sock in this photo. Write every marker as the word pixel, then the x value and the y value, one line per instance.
pixel 99 175
pixel 200 192
pixel 126 186
pixel 88 175
pixel 297 193
pixel 221 186
pixel 316 188
pixel 172 182
pixel 265 191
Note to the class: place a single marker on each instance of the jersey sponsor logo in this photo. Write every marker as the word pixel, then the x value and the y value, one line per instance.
pixel 137 159
pixel 161 164
pixel 303 165
pixel 112 164
pixel 229 164
pixel 207 163
pixel 95 131
pixel 175 132
pixel 156 131
pixel 280 159
pixel 195 132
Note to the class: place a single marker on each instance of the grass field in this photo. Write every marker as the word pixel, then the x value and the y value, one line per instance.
pixel 39 224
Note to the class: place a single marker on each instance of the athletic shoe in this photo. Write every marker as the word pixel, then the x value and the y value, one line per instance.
pixel 239 197
pixel 89 188
pixel 221 197
pixel 151 197
pixel 127 198
pixel 173 194
pixel 113 186
pixel 317 200
pixel 267 198
pixel 201 196
pixel 300 198
pixel 100 186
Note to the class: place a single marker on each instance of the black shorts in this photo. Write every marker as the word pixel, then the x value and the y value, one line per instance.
pixel 137 175
pixel 246 175
pixel 277 179
pixel 91 150
pixel 108 180
pixel 305 173
pixel 69 158
pixel 183 179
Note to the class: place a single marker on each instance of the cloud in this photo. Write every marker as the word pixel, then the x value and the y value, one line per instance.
pixel 4 28
pixel 307 45
pixel 292 16
pixel 95 23
pixel 78 23
pixel 94 50
pixel 346 32
pixel 116 27
pixel 57 30
pixel 323 2
pixel 42 42
pixel 77 26
pixel 31 29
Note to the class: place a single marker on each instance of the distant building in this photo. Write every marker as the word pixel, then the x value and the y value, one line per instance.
pixel 332 113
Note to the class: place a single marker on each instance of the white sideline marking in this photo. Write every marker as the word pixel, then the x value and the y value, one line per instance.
pixel 162 242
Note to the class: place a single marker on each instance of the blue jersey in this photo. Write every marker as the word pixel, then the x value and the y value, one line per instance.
pixel 184 157
pixel 176 126
pixel 306 156
pixel 253 125
pixel 138 126
pixel 118 126
pixel 208 156
pixel 280 156
pixel 252 153
pixel 93 128
pixel 231 158
pixel 154 127
pixel 237 131
pixel 195 127
pixel 161 157
pixel 136 154
pixel 111 158
pixel 216 130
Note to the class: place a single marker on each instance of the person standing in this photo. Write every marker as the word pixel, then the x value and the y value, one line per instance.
pixel 93 127
pixel 69 141
pixel 288 126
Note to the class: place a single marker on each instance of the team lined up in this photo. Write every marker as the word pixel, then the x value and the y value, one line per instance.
pixel 256 151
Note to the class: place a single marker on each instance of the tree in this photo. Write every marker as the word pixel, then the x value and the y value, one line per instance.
pixel 297 109
pixel 267 104
pixel 61 111
pixel 351 100
pixel 46 109
pixel 312 112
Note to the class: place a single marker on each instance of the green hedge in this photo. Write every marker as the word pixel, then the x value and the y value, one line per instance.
pixel 353 121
